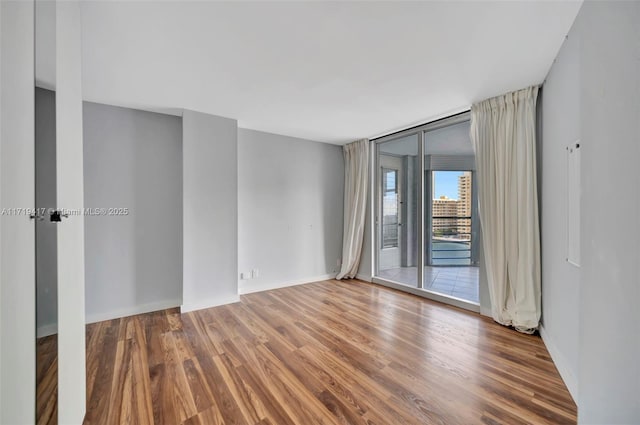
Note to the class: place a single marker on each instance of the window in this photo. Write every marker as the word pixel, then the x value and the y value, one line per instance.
pixel 390 201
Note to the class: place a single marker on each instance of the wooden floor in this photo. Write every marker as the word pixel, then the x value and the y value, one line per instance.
pixel 47 379
pixel 328 352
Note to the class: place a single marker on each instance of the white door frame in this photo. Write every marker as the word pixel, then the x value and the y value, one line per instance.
pixel 70 195
pixel 391 257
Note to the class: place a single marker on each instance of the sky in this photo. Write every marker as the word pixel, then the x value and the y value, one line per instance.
pixel 446 183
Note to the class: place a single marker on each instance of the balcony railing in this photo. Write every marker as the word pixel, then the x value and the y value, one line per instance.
pixel 451 240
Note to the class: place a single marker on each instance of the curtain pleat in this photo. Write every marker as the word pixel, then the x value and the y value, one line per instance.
pixel 356 177
pixel 503 131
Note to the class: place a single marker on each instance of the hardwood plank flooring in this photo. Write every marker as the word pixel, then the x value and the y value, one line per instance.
pixel 47 380
pixel 330 352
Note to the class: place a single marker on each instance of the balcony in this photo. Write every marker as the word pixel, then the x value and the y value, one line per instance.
pixel 451 241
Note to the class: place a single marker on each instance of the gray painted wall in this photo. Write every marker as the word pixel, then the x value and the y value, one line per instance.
pixel 560 280
pixel 17 247
pixel 46 231
pixel 609 342
pixel 132 159
pixel 210 205
pixel 592 92
pixel 290 209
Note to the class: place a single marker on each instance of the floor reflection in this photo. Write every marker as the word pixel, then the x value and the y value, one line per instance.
pixel 459 282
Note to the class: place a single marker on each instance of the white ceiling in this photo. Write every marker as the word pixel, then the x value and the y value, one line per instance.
pixel 326 71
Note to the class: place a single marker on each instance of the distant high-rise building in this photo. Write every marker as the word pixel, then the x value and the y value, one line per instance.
pixel 446 210
pixel 444 207
pixel 464 194
pixel 464 204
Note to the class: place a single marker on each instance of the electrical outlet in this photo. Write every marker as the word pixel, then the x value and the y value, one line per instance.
pixel 245 276
pixel 254 273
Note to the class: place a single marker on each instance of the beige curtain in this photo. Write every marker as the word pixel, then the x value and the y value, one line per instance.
pixel 503 131
pixel 356 178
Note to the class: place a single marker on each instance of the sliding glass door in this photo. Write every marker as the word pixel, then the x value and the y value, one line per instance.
pixel 426 212
pixel 397 210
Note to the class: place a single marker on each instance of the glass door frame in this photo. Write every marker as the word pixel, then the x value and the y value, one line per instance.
pixel 376 205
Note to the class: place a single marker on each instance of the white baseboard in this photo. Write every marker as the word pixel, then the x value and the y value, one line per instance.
pixel 52 329
pixel 364 277
pixel 46 330
pixel 130 311
pixel 267 286
pixel 208 303
pixel 561 364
